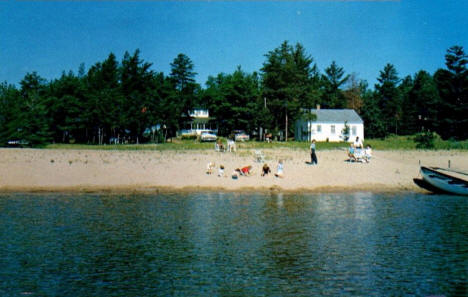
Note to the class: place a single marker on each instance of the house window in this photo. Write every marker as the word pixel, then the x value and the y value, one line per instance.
pixel 319 128
pixel 332 128
pixel 354 130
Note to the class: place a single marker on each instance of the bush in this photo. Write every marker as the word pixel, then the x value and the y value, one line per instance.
pixel 189 137
pixel 425 140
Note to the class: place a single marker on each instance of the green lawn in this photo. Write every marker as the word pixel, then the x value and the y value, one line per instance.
pixel 390 143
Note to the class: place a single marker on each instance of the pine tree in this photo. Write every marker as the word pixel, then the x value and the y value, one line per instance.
pixel 389 98
pixel 453 90
pixel 289 83
pixel 332 82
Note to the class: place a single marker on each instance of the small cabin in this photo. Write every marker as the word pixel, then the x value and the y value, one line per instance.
pixel 329 125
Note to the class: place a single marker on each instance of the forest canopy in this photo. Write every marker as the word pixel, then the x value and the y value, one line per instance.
pixel 127 99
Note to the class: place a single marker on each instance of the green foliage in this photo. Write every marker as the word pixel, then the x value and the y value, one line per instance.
pixel 452 85
pixel 232 100
pixel 332 82
pixel 290 82
pixel 425 140
pixel 27 119
pixel 122 99
pixel 189 137
pixel 389 99
pixel 345 132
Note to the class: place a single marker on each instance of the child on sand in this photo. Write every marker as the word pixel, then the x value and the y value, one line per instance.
pixel 210 167
pixel 246 170
pixel 265 169
pixel 236 173
pixel 368 153
pixel 279 169
pixel 221 171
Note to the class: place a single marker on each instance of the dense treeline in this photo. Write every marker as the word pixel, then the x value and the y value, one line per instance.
pixel 128 99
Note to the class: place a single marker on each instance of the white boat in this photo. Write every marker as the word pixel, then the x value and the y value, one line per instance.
pixel 440 180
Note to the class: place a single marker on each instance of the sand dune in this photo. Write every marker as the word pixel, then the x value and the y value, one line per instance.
pixel 150 171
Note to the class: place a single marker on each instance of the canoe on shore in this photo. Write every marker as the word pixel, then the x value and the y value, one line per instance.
pixel 440 180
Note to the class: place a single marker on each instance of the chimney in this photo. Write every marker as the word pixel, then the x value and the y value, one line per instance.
pixel 318 106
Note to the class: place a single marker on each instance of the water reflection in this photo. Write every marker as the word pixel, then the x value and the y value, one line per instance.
pixel 233 244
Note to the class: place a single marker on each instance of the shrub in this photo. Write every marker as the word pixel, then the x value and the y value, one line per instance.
pixel 425 140
pixel 189 137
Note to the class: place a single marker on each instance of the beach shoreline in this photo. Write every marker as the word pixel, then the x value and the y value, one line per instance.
pixel 99 171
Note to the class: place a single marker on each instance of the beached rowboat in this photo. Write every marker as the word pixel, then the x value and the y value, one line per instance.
pixel 439 180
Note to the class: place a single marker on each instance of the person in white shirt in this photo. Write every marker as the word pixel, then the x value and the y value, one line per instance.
pixel 368 153
pixel 358 142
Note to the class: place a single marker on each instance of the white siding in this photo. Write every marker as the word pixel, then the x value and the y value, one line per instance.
pixel 306 131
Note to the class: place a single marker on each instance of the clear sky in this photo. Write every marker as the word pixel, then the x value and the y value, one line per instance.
pixel 361 36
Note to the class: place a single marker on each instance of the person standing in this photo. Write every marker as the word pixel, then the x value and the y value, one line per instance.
pixel 313 156
pixel 279 169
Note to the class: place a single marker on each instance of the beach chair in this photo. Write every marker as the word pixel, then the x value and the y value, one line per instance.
pixel 259 156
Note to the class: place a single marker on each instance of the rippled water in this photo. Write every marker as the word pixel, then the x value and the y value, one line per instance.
pixel 228 244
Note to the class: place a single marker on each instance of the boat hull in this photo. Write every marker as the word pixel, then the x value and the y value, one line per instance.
pixel 438 182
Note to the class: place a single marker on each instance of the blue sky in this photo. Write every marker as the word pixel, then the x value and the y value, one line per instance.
pixel 361 36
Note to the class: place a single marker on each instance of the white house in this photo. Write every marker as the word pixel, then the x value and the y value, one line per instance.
pixel 199 121
pixel 329 125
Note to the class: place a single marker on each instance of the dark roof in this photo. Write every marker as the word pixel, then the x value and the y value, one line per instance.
pixel 337 116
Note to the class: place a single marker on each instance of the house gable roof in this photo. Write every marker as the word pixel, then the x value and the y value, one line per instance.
pixel 337 116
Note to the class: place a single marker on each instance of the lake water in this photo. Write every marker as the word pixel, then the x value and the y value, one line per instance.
pixel 233 244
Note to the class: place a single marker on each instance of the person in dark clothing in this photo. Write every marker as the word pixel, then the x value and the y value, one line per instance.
pixel 313 156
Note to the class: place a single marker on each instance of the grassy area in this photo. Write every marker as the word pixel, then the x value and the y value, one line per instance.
pixel 390 143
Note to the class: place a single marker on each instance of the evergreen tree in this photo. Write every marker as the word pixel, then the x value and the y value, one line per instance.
pixel 9 107
pixel 104 112
pixel 30 122
pixel 424 99
pixel 289 83
pixel 137 88
pixel 389 98
pixel 65 104
pixel 186 90
pixel 233 100
pixel 452 84
pixel 332 82
pixel 409 113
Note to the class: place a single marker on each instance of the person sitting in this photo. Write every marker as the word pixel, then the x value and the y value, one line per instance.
pixel 209 167
pixel 235 174
pixel 359 154
pixel 351 156
pixel 265 169
pixel 368 153
pixel 219 147
pixel 279 169
pixel 221 171
pixel 358 143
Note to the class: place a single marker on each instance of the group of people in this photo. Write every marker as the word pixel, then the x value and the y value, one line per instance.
pixel 246 170
pixel 357 153
pixel 230 146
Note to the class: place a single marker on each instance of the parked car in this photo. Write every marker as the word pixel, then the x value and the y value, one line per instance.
pixel 208 136
pixel 18 143
pixel 240 135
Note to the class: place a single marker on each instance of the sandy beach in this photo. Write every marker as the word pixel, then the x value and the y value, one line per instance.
pixel 34 170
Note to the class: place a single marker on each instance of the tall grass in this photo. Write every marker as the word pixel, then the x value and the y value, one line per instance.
pixel 389 143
